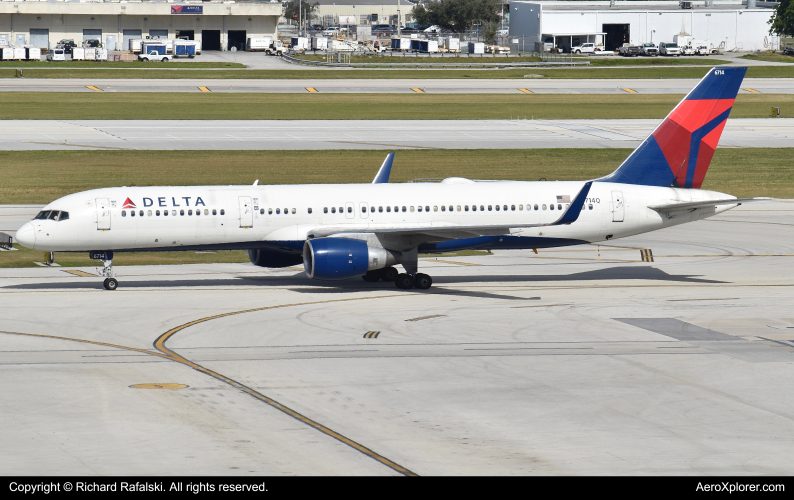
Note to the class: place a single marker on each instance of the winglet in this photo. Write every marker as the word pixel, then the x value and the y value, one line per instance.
pixel 570 215
pixel 385 170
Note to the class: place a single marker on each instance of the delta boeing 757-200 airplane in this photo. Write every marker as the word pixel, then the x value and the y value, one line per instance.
pixel 344 231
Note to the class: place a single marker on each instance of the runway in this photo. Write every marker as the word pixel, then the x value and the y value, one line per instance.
pixel 362 134
pixel 529 84
pixel 582 360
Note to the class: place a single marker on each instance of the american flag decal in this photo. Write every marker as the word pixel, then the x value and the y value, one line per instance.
pixel 564 199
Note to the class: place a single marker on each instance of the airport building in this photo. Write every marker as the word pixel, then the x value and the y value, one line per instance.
pixel 218 25
pixel 363 12
pixel 727 25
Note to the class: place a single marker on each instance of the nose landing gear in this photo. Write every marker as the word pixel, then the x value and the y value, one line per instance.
pixel 110 283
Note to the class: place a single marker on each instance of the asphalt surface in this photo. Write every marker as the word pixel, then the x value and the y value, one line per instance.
pixel 579 361
pixel 363 134
pixel 357 86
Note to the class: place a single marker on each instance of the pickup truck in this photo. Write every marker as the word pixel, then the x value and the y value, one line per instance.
pixel 154 56
pixel 585 48
pixel 277 48
pixel 669 49
pixel 649 49
pixel 628 49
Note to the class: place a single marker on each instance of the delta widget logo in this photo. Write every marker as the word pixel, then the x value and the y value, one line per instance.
pixel 128 204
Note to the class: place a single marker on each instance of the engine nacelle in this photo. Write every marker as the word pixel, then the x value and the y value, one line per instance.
pixel 270 258
pixel 344 258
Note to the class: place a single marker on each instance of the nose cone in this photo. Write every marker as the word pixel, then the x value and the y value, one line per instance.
pixel 26 236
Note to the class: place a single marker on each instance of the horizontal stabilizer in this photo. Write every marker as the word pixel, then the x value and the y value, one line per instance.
pixel 702 204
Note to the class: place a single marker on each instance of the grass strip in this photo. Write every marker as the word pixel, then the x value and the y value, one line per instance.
pixel 265 106
pixel 457 59
pixel 337 74
pixel 770 57
pixel 39 177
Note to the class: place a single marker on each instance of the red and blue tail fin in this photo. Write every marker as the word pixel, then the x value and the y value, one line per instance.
pixel 678 152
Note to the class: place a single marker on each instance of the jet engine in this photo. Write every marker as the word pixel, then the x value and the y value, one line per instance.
pixel 270 258
pixel 343 258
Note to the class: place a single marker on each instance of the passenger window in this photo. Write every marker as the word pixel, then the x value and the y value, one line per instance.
pixel 489 208
pixel 286 211
pixel 412 208
pixel 293 211
pixel 181 212
pixel 559 207
pixel 544 207
pixel 140 212
pixel 165 213
pixel 466 207
pixel 198 212
pixel 505 208
pixel 173 212
pixel 450 208
pixel 261 211
pixel 124 212
pixel 497 208
pixel 341 210
pixel 443 208
pixel 388 209
pixel 551 207
pixel 427 208
pixel 482 208
pixel 435 208
pixel 333 210
pixel 157 213
pixel 372 209
pixel 206 211
pixel 590 206
pixel 458 208
pixel 380 209
pixel 278 210
pixel 419 209
pixel 521 207
pixel 350 210
pixel 396 209
pixel 54 215
pixel 474 208
pixel 325 210
pixel 404 209
pixel 513 208
pixel 363 210
pixel 310 210
pixel 190 212
pixel 132 213
pixel 223 212
pixel 536 207
pixel 149 213
pixel 216 213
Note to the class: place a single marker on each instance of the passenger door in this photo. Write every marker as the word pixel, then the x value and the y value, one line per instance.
pixel 618 206
pixel 246 212
pixel 102 214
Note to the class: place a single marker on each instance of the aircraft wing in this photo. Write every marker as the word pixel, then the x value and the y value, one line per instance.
pixel 678 207
pixel 450 230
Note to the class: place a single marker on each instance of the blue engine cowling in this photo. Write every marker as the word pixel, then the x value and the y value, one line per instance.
pixel 335 258
pixel 270 258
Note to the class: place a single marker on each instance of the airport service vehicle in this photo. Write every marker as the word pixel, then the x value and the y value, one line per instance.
pixel 345 231
pixel 629 49
pixel 276 48
pixel 649 49
pixel 153 55
pixel 686 50
pixel 669 49
pixel 585 48
pixel 55 55
pixel 253 44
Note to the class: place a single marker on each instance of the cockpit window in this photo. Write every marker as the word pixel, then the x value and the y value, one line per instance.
pixel 53 215
pixel 43 215
pixel 64 216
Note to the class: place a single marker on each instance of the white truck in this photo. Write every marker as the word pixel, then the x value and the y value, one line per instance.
pixel 585 48
pixel 276 48
pixel 669 49
pixel 153 55
pixel 258 43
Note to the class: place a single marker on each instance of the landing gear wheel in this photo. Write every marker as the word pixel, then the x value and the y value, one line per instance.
pixel 373 276
pixel 404 281
pixel 423 281
pixel 389 274
pixel 111 284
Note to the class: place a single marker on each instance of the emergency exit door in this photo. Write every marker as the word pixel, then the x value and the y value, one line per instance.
pixel 246 212
pixel 364 210
pixel 618 206
pixel 102 214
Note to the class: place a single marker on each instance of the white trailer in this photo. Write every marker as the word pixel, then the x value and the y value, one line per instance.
pixel 8 53
pixel 32 53
pixel 300 43
pixel 101 54
pixel 78 54
pixel 253 44
pixel 90 53
pixel 135 45
pixel 476 48
pixel 450 44
pixel 19 53
pixel 319 43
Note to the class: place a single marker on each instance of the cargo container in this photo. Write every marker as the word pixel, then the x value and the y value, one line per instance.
pixel 150 45
pixel 19 53
pixel 254 44
pixel 135 45
pixel 476 48
pixel 450 44
pixel 90 53
pixel 319 43
pixel 8 53
pixel 428 46
pixel 184 48
pixel 416 44
pixel 300 43
pixel 32 53
pixel 401 43
pixel 101 54
pixel 78 54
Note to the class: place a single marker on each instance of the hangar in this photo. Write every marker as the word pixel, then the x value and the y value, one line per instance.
pixel 218 25
pixel 728 25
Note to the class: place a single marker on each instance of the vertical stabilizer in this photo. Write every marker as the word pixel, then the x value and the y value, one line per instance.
pixel 679 151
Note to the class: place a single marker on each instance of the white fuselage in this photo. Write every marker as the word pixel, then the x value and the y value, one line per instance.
pixel 236 216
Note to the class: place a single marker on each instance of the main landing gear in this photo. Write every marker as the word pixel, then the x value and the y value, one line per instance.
pixel 402 280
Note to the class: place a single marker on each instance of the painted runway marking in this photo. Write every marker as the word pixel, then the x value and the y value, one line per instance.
pixel 81 273
pixel 371 335
pixel 311 89
pixel 454 262
pixel 630 91
pixel 95 89
pixel 417 90
pixel 526 91
pixel 690 300
pixel 540 305
pixel 647 255
pixel 158 386
pixel 753 91
pixel 204 89
pixel 420 318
